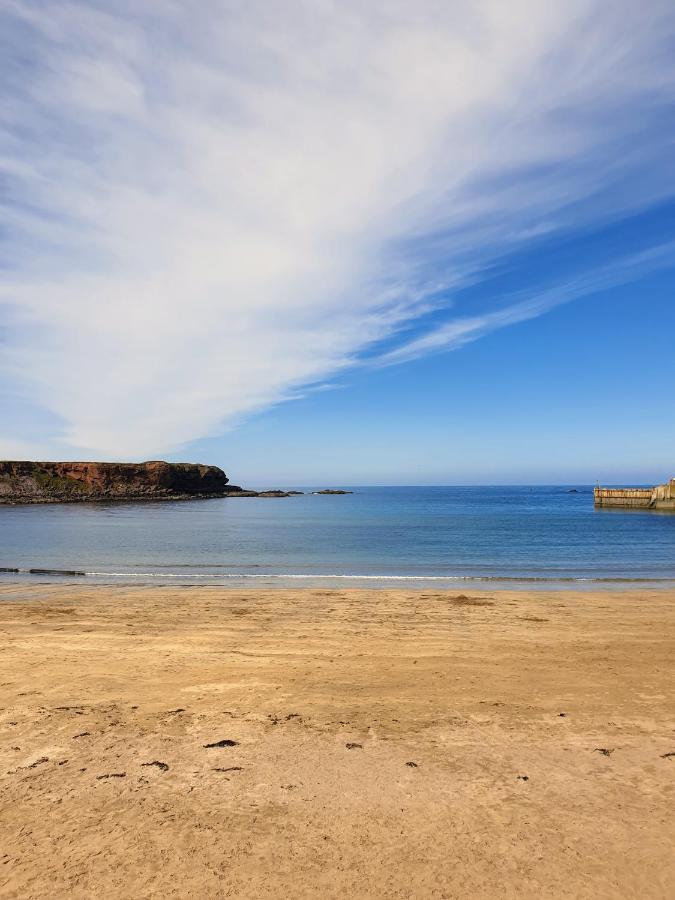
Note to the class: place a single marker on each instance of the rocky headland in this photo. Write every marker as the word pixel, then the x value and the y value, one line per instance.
pixel 24 481
pixel 61 482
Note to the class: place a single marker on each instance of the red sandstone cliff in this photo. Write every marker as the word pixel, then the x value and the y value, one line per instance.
pixel 56 482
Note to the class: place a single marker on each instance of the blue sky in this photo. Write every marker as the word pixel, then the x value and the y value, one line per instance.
pixel 580 394
pixel 392 243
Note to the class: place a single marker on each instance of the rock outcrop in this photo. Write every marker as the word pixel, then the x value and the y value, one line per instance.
pixel 332 491
pixel 59 482
pixel 239 492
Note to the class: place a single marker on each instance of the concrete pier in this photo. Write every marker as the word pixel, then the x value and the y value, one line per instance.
pixel 660 497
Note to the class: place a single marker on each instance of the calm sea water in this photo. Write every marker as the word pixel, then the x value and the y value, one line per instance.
pixel 427 536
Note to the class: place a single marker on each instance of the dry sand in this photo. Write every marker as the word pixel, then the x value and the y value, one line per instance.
pixel 383 744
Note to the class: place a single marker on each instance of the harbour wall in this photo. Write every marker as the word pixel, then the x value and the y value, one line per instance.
pixel 660 497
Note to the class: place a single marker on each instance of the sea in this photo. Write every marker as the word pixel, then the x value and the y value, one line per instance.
pixel 417 537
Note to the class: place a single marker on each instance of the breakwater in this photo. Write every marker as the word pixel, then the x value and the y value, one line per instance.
pixel 660 497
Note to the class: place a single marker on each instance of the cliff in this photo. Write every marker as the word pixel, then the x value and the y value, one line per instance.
pixel 58 482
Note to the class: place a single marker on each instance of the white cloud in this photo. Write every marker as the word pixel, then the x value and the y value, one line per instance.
pixel 459 331
pixel 213 206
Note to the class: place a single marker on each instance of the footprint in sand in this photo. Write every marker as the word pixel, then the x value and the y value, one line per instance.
pixel 162 766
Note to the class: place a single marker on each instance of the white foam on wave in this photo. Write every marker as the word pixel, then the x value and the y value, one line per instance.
pixel 277 575
pixel 323 576
pixel 338 576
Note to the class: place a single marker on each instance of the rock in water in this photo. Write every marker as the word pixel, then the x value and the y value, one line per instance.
pixel 58 482
pixel 332 491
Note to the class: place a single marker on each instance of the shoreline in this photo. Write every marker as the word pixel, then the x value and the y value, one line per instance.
pixel 265 743
pixel 46 576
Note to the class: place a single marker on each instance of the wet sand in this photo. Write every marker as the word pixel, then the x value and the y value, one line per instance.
pixel 367 743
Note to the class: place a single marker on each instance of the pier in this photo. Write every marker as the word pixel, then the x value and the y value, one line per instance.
pixel 660 497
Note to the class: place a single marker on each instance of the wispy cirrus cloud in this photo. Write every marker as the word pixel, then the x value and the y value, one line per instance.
pixel 207 209
pixel 461 330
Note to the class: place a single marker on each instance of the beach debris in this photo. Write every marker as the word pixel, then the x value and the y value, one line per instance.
pixel 226 742
pixel 38 762
pixel 411 764
pixel 562 715
pixel 463 600
pixel 276 720
pixel 228 769
pixel 162 766
pixel 606 751
pixel 173 712
pixel 668 755
pixel 81 734
pixel 110 775
pixel 522 777
pixel 353 746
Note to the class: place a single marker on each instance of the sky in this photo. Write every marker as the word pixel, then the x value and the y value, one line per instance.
pixel 342 242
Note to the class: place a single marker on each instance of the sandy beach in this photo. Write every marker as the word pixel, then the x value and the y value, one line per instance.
pixel 199 742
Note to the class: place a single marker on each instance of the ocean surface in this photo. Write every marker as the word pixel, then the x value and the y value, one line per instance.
pixel 377 536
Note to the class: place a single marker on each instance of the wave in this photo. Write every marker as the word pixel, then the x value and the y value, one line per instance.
pixel 323 576
pixel 304 576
